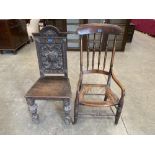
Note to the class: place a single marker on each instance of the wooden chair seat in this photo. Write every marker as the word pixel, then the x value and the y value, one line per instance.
pixel 99 101
pixel 50 88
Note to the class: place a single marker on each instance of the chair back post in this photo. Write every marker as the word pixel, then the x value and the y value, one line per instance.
pixel 111 62
pixel 81 54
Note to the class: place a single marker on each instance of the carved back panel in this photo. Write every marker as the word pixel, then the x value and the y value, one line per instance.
pixel 51 51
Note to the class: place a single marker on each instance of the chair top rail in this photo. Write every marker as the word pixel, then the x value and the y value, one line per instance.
pixel 98 28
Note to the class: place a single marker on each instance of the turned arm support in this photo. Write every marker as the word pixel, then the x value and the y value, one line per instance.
pixel 119 84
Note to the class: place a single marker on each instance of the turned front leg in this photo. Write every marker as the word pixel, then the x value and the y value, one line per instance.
pixel 67 110
pixel 32 107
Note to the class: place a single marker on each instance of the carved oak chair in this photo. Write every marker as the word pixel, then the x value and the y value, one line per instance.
pixel 53 82
pixel 96 62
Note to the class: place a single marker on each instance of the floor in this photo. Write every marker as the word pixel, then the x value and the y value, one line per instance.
pixel 134 68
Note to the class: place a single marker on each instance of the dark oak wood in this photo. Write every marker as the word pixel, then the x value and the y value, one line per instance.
pixel 53 82
pixel 13 35
pixel 109 98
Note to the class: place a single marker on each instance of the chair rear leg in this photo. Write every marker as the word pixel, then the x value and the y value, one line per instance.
pixel 76 108
pixel 119 111
pixel 118 114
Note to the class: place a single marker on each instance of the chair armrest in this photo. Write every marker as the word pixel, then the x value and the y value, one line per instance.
pixel 119 84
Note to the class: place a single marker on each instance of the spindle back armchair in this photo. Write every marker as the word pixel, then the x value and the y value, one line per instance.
pixel 96 63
